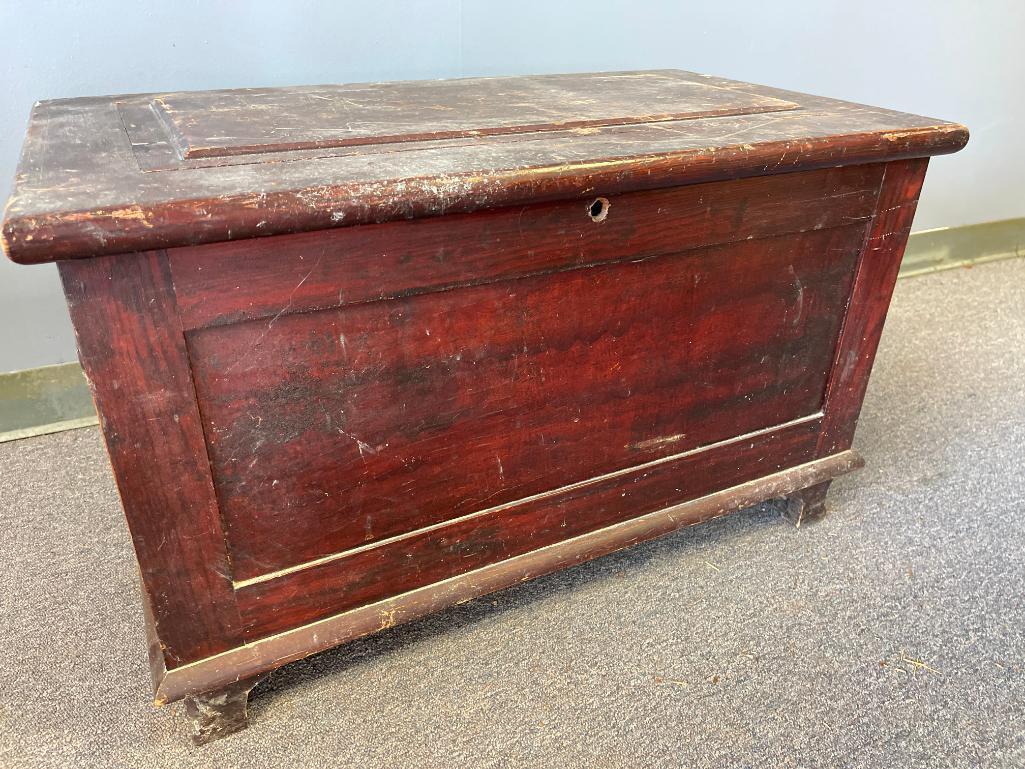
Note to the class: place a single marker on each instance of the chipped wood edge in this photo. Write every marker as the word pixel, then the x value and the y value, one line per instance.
pixel 269 653
pixel 40 237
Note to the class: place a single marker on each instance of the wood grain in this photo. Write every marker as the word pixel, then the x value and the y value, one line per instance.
pixel 873 287
pixel 371 574
pixel 132 348
pixel 85 187
pixel 356 264
pixel 262 120
pixel 331 429
pixel 298 642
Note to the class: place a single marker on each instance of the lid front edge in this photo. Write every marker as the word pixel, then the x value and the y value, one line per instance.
pixel 34 238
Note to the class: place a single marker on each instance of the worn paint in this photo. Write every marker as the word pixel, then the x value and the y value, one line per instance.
pixel 84 190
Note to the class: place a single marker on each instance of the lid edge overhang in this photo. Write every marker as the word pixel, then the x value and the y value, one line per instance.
pixel 40 236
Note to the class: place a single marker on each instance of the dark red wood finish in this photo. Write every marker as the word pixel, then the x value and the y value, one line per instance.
pixel 349 265
pixel 363 576
pixel 336 428
pixel 104 175
pixel 477 348
pixel 133 351
pixel 863 325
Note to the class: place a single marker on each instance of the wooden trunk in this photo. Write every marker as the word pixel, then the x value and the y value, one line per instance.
pixel 363 352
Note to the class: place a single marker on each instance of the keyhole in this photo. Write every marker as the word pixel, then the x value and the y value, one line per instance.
pixel 599 209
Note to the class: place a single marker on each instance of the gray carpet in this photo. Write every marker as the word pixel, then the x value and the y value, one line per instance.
pixel 891 634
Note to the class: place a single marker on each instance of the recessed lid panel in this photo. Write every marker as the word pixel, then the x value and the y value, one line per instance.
pixel 225 123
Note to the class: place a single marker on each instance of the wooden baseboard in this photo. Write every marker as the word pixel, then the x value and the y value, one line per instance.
pixel 947 248
pixel 44 400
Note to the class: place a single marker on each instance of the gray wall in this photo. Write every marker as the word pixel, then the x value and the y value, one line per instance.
pixel 955 60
